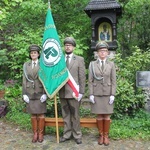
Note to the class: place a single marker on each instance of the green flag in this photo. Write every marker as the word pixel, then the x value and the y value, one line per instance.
pixel 53 71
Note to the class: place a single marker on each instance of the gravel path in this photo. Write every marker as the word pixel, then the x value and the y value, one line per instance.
pixel 12 138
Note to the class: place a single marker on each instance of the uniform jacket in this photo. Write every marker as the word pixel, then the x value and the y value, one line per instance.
pixel 105 86
pixel 34 90
pixel 77 70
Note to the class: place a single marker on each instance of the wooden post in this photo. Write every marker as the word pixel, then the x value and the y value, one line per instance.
pixel 56 119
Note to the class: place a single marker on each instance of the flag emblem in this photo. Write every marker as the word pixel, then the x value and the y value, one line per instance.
pixel 51 52
pixel 53 71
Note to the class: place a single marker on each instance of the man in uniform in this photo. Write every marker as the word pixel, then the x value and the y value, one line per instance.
pixel 70 105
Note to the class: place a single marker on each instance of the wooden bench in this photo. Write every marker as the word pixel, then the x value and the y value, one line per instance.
pixel 85 122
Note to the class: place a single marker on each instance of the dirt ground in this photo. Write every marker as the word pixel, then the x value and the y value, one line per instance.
pixel 12 138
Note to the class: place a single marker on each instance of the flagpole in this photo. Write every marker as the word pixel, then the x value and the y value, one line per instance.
pixel 49 4
pixel 56 118
pixel 55 99
pixel 48 72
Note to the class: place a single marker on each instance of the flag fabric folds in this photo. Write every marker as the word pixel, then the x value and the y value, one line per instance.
pixel 53 72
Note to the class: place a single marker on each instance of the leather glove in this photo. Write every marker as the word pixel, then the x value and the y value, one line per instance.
pixel 80 97
pixel 111 99
pixel 92 99
pixel 43 98
pixel 26 98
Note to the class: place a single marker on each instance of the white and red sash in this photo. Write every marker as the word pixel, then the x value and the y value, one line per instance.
pixel 75 88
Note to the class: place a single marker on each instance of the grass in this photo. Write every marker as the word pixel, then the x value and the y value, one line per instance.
pixel 130 128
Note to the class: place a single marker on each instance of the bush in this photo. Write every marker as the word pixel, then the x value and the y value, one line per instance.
pixel 129 99
pixel 136 127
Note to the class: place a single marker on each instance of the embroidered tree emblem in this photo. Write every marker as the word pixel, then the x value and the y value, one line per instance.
pixel 50 51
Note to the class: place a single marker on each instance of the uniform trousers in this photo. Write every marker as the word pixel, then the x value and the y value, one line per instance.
pixel 71 118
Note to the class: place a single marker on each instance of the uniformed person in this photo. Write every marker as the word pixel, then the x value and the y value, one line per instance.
pixel 34 94
pixel 102 88
pixel 70 105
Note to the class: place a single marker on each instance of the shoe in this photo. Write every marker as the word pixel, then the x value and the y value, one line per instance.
pixel 78 141
pixel 62 139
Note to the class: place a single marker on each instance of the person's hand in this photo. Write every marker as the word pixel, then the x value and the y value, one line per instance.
pixel 92 99
pixel 43 98
pixel 111 99
pixel 26 98
pixel 80 97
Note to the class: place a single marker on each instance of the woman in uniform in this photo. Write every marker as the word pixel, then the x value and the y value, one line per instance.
pixel 102 88
pixel 34 94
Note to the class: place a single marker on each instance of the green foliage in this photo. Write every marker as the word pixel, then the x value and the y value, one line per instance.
pixel 2 86
pixel 133 27
pixel 129 98
pixel 21 30
pixel 51 107
pixel 3 62
pixel 3 57
pixel 6 6
pixel 133 128
pixel 16 107
pixel 85 113
pixel 24 25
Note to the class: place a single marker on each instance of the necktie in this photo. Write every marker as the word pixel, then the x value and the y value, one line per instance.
pixel 102 65
pixel 34 64
pixel 34 69
pixel 67 61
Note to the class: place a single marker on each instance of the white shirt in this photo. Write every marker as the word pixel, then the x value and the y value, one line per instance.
pixel 36 62
pixel 70 57
pixel 100 61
